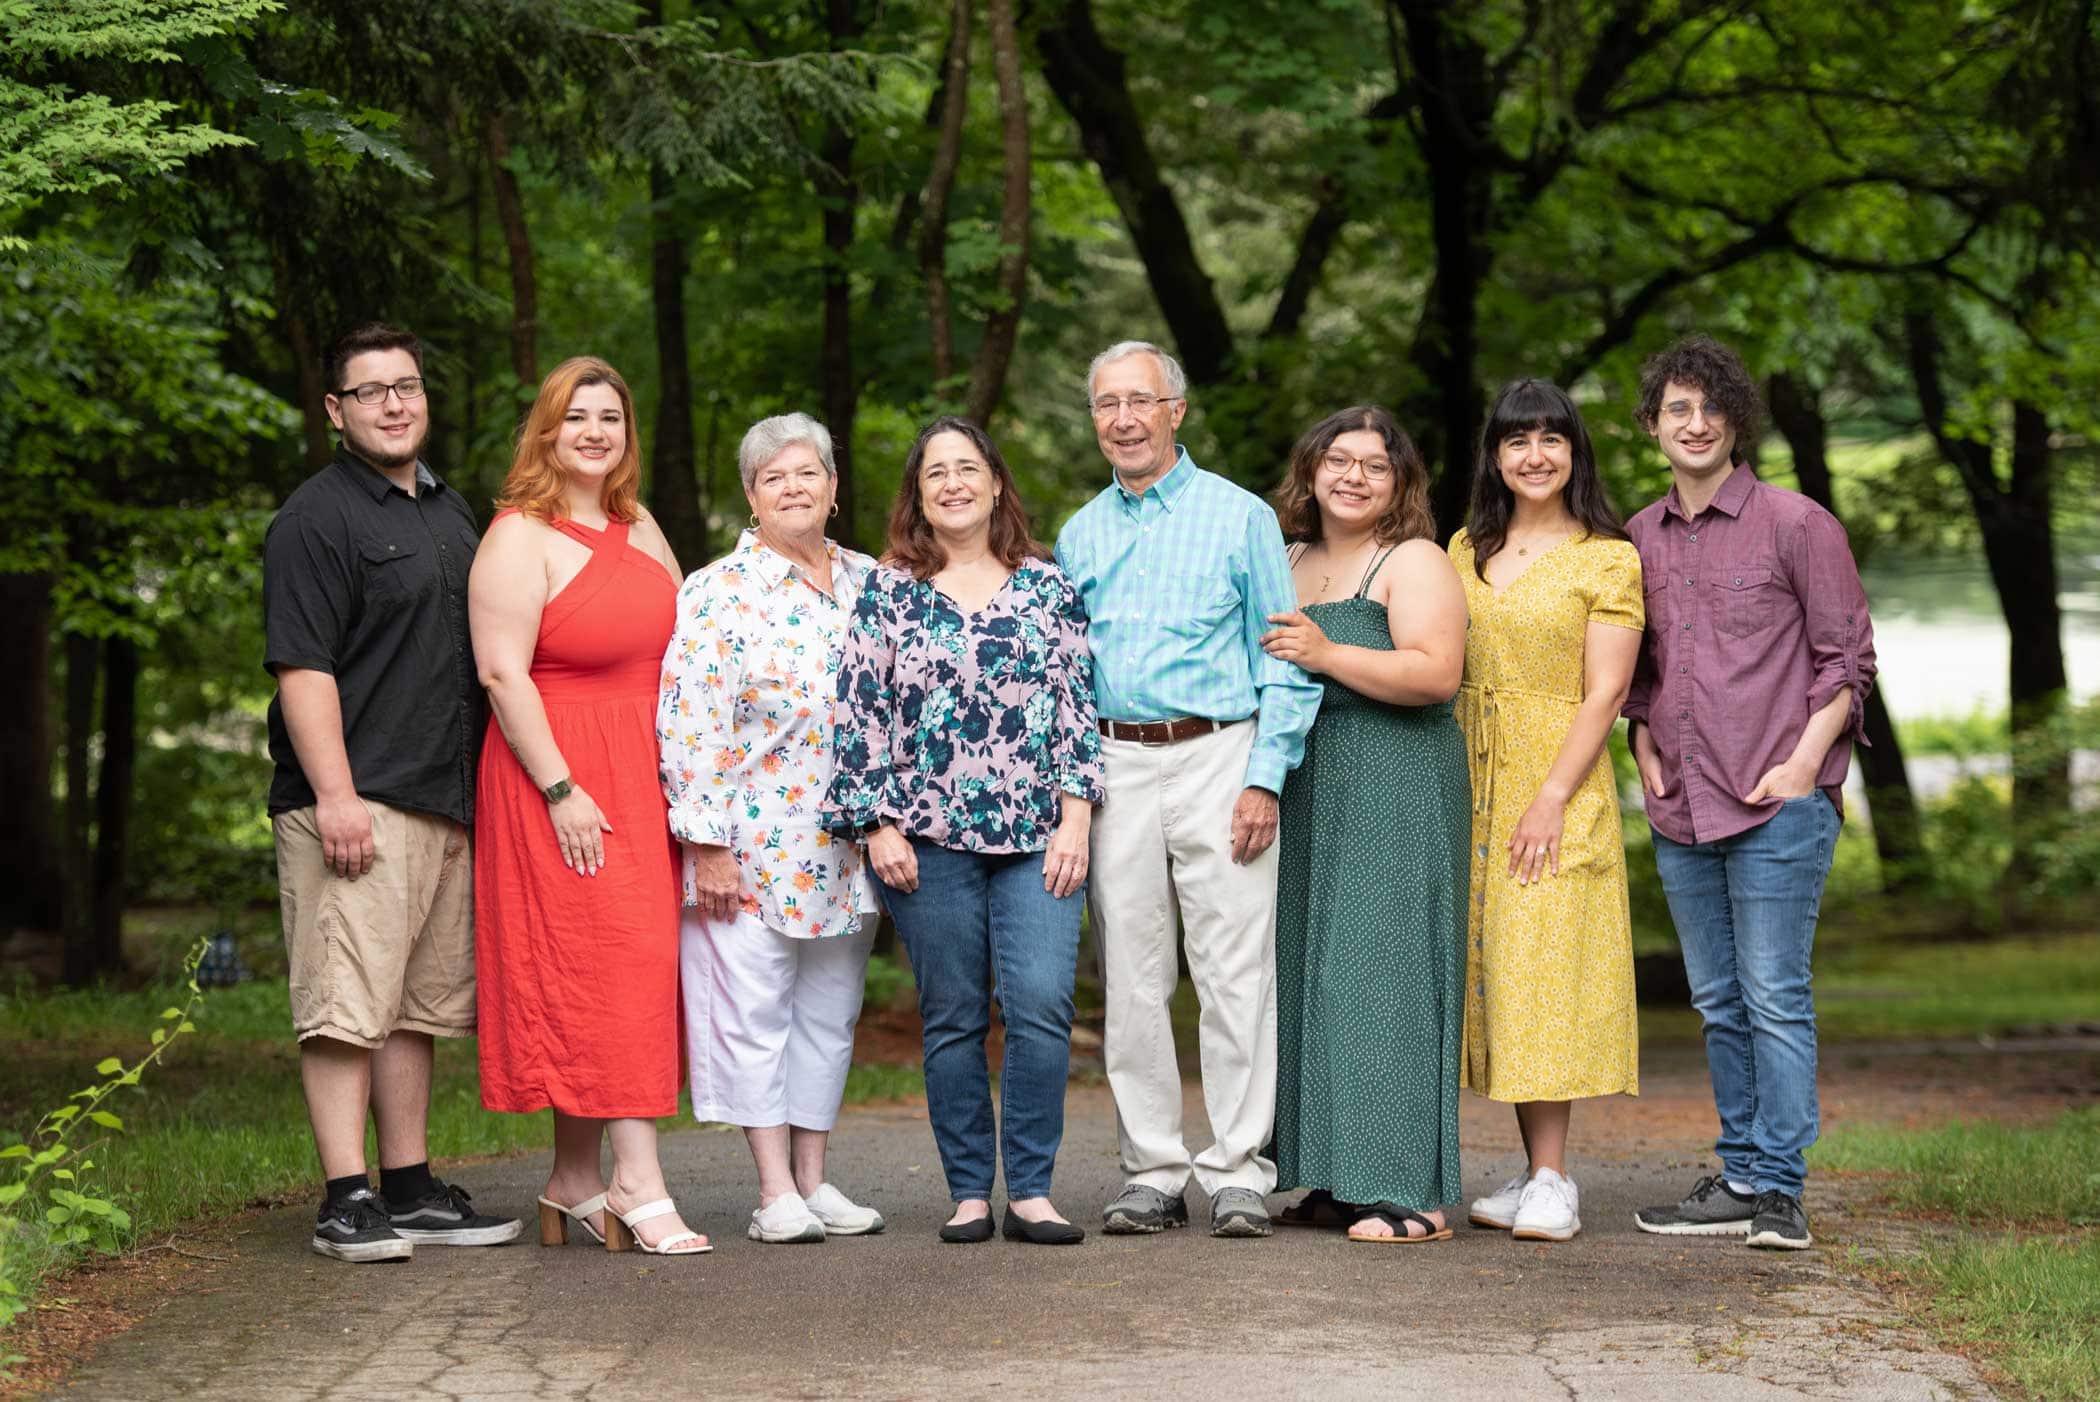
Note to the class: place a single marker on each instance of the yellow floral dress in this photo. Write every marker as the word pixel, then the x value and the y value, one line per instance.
pixel 1549 966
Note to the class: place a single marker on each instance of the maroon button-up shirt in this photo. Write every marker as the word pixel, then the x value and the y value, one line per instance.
pixel 1755 618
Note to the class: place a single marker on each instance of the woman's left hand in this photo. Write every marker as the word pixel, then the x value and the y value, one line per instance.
pixel 1534 848
pixel 1296 638
pixel 1064 861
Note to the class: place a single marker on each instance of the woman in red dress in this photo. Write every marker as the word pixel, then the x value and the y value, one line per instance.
pixel 572 600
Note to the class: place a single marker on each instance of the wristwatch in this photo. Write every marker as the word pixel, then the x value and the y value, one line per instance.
pixel 557 791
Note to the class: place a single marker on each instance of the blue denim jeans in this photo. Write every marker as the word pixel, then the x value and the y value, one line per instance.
pixel 979 927
pixel 1745 909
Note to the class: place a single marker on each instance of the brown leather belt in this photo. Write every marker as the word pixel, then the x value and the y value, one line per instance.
pixel 1160 732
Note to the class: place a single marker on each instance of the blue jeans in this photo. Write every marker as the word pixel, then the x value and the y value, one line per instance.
pixel 1745 909
pixel 981 926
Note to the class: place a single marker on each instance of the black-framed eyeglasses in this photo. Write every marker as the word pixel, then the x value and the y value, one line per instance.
pixel 372 391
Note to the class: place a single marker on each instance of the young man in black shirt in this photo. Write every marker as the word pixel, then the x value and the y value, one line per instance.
pixel 375 731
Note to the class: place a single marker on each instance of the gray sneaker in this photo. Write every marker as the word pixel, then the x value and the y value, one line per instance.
pixel 1238 1212
pixel 1140 1211
pixel 1712 1208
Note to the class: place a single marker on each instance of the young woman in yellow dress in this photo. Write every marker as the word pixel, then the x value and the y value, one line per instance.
pixel 1553 588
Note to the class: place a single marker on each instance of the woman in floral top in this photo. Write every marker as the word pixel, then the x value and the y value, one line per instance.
pixel 774 943
pixel 968 755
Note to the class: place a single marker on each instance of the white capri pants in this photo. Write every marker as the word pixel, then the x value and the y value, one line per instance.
pixel 769 1019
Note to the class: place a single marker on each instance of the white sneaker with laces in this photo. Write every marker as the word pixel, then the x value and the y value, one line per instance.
pixel 1547 1210
pixel 1499 1209
pixel 841 1215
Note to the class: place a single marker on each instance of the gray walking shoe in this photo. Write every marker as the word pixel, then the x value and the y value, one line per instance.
pixel 1781 1223
pixel 1140 1211
pixel 1238 1212
pixel 1711 1208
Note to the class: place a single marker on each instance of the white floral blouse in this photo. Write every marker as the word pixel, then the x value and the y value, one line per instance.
pixel 744 724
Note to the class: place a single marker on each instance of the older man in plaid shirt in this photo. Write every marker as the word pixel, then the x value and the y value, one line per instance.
pixel 1180 570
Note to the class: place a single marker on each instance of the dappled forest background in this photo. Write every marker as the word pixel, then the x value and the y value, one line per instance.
pixel 877 212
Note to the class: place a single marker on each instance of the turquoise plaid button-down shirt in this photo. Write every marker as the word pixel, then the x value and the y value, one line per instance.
pixel 1179 584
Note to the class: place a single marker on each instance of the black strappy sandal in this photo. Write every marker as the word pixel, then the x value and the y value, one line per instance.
pixel 1397 1217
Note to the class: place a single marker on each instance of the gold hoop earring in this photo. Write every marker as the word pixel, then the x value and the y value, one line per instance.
pixel 754 520
pixel 834 508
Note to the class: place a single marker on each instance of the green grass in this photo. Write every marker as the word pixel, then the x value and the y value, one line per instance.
pixel 2026 1300
pixel 2030 1306
pixel 1980 732
pixel 1979 1172
pixel 222 1124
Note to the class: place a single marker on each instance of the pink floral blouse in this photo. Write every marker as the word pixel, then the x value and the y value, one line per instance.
pixel 744 723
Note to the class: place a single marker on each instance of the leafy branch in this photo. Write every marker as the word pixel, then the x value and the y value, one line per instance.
pixel 53 1151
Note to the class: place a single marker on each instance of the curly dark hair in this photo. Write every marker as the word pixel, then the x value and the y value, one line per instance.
pixel 912 545
pixel 1713 369
pixel 1407 517
pixel 1524 405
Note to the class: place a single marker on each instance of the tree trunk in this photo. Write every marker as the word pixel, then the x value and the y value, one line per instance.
pixel 674 483
pixel 940 183
pixel 996 352
pixel 113 795
pixel 1087 76
pixel 34 898
pixel 2019 548
pixel 1892 806
pixel 841 201
pixel 83 661
pixel 524 285
pixel 1456 107
pixel 306 353
pixel 2019 542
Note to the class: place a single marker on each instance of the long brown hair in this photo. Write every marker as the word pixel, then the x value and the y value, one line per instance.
pixel 913 547
pixel 1524 405
pixel 1406 517
pixel 536 482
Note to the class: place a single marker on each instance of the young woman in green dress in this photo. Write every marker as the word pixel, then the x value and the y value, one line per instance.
pixel 1372 873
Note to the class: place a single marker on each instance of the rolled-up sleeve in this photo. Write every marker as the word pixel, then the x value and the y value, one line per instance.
pixel 1290 700
pixel 864 789
pixel 1834 605
pixel 696 718
pixel 1078 735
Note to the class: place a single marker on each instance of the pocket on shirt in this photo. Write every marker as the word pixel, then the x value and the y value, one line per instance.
pixel 392 572
pixel 1655 599
pixel 1747 601
pixel 1196 607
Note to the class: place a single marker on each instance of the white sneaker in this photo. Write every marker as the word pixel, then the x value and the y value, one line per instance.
pixel 1546 1211
pixel 1499 1209
pixel 840 1215
pixel 786 1218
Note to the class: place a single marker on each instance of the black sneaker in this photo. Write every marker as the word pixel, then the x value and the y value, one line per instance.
pixel 445 1216
pixel 355 1228
pixel 1781 1224
pixel 1141 1211
pixel 1712 1208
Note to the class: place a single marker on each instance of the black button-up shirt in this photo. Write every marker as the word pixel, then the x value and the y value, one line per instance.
pixel 369 584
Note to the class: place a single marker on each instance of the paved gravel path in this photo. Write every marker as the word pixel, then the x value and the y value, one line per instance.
pixel 1613 1314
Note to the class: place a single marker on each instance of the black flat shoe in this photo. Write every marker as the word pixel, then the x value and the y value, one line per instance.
pixel 1017 1228
pixel 968 1233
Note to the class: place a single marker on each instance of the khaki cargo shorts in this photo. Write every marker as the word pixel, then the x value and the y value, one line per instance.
pixel 392 950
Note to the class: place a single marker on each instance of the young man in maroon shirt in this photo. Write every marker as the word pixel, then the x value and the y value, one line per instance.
pixel 1745 701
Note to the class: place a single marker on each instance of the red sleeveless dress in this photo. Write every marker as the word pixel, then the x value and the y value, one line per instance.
pixel 578 975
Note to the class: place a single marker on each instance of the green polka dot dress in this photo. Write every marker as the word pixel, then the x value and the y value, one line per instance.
pixel 1370 928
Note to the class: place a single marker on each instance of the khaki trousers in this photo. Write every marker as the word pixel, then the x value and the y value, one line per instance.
pixel 1163 838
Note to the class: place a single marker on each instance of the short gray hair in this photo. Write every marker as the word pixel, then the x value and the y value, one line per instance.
pixel 1169 368
pixel 769 438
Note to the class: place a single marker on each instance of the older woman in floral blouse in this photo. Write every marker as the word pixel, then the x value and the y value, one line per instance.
pixel 774 943
pixel 969 758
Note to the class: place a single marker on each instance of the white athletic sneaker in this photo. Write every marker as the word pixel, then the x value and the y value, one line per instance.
pixel 1547 1210
pixel 785 1219
pixel 1499 1209
pixel 840 1215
